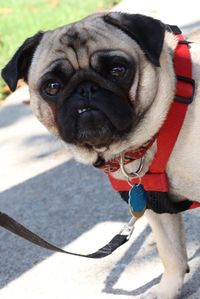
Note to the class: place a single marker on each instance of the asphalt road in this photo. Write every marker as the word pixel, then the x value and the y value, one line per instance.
pixel 73 206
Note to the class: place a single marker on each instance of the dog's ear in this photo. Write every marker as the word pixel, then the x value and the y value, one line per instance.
pixel 18 67
pixel 146 31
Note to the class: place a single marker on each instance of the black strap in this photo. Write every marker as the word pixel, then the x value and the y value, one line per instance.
pixel 18 229
pixel 160 202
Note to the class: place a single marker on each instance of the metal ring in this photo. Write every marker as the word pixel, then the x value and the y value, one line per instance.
pixel 131 174
pixel 132 184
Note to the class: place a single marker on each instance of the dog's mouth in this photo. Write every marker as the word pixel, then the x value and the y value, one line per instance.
pixel 94 121
pixel 83 110
pixel 93 128
pixel 89 126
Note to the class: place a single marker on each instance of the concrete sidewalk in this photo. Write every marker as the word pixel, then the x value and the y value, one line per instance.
pixel 63 201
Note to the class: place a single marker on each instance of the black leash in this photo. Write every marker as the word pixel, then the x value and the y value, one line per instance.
pixel 157 201
pixel 18 229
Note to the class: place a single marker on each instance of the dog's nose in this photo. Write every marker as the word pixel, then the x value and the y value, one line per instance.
pixel 87 89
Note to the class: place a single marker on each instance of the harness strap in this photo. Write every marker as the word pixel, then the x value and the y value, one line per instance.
pixel 160 203
pixel 150 181
pixel 169 132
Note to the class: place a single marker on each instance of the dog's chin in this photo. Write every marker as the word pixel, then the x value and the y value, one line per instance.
pixel 92 129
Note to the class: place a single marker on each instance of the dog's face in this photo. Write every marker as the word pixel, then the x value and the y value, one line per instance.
pixel 88 80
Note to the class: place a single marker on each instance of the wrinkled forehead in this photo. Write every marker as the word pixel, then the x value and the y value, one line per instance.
pixel 77 42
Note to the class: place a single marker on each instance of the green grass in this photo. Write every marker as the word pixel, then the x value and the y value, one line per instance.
pixel 20 19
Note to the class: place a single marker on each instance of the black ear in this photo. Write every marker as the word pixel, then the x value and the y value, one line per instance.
pixel 146 31
pixel 17 68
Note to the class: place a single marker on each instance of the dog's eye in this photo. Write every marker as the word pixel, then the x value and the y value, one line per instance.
pixel 52 88
pixel 118 71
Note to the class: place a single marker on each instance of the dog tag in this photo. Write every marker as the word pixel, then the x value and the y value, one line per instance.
pixel 137 200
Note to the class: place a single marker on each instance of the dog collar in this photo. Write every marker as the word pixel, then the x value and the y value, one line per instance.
pixel 156 178
pixel 129 156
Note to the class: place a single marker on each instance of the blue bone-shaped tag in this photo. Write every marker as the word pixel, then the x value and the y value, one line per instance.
pixel 137 200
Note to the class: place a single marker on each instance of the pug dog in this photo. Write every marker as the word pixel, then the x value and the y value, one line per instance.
pixel 104 85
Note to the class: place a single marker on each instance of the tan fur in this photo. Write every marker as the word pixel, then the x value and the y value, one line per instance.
pixel 153 88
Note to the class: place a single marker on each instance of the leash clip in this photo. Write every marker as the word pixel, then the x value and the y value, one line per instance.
pixel 128 228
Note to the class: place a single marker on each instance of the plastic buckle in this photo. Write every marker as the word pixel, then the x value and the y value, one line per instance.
pixel 184 42
pixel 173 28
pixel 182 99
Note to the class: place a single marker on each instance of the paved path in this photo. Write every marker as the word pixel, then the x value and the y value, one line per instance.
pixel 63 202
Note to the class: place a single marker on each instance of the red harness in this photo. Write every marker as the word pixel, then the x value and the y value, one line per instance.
pixel 156 178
